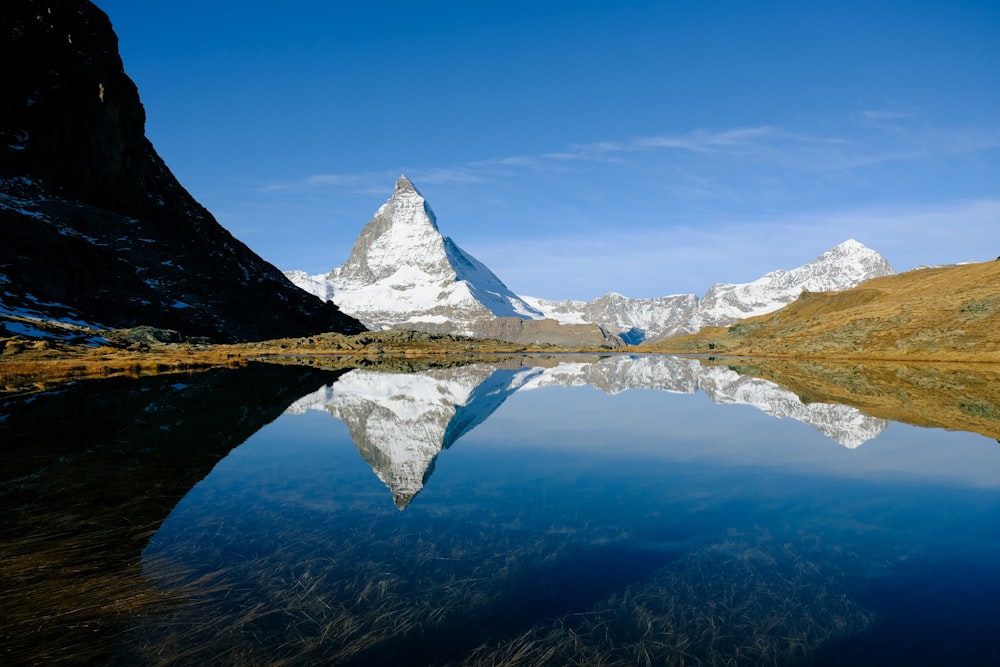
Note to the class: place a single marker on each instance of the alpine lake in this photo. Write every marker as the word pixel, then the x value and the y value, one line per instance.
pixel 560 510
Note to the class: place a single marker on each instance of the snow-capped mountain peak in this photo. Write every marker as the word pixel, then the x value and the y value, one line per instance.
pixel 402 271
pixel 843 266
pixel 403 184
pixel 637 320
pixel 403 227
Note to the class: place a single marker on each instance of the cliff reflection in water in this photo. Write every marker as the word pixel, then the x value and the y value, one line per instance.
pixel 401 422
pixel 90 471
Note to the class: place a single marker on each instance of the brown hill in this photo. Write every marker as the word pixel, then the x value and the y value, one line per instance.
pixel 943 313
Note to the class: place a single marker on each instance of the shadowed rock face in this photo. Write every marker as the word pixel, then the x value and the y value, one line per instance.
pixel 94 225
pixel 131 448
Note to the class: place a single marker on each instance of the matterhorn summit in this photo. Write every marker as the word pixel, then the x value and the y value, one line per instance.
pixel 403 273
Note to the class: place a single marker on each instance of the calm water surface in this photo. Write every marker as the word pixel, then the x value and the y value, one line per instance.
pixel 618 511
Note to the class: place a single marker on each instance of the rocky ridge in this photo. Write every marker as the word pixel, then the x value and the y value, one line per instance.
pixel 94 228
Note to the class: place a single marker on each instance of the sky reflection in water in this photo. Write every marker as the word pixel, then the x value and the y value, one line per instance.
pixel 621 523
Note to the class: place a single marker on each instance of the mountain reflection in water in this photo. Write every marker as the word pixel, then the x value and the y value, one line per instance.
pixel 588 517
pixel 401 422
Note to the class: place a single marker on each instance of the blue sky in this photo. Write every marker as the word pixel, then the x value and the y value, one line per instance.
pixel 577 148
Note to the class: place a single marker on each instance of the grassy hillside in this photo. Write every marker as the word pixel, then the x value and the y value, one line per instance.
pixel 945 313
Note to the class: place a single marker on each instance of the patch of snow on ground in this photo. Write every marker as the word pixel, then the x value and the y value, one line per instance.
pixel 26 330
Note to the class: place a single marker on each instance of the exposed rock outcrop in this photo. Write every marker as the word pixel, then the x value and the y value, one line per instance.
pixel 93 226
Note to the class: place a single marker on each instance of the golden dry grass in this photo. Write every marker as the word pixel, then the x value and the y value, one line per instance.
pixel 38 365
pixel 26 366
pixel 944 314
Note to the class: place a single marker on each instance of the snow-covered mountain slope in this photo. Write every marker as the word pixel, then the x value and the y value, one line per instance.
pixel 630 319
pixel 842 267
pixel 638 320
pixel 565 312
pixel 401 422
pixel 403 271
pixel 634 319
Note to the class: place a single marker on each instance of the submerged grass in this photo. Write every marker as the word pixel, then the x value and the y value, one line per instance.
pixel 367 596
pixel 744 601
pixel 66 594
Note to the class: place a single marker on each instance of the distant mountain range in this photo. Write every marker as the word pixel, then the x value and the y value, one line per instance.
pixel 94 229
pixel 945 313
pixel 640 320
pixel 96 233
pixel 403 273
pixel 401 422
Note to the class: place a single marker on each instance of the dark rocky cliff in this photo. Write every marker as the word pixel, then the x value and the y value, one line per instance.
pixel 93 226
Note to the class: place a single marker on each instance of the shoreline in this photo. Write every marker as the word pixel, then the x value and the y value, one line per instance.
pixel 31 366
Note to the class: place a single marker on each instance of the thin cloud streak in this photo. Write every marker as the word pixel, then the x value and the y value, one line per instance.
pixel 761 147
pixel 881 114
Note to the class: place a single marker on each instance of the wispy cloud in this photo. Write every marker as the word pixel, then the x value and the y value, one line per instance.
pixel 691 258
pixel 696 141
pixel 476 171
pixel 360 181
pixel 867 138
pixel 883 114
